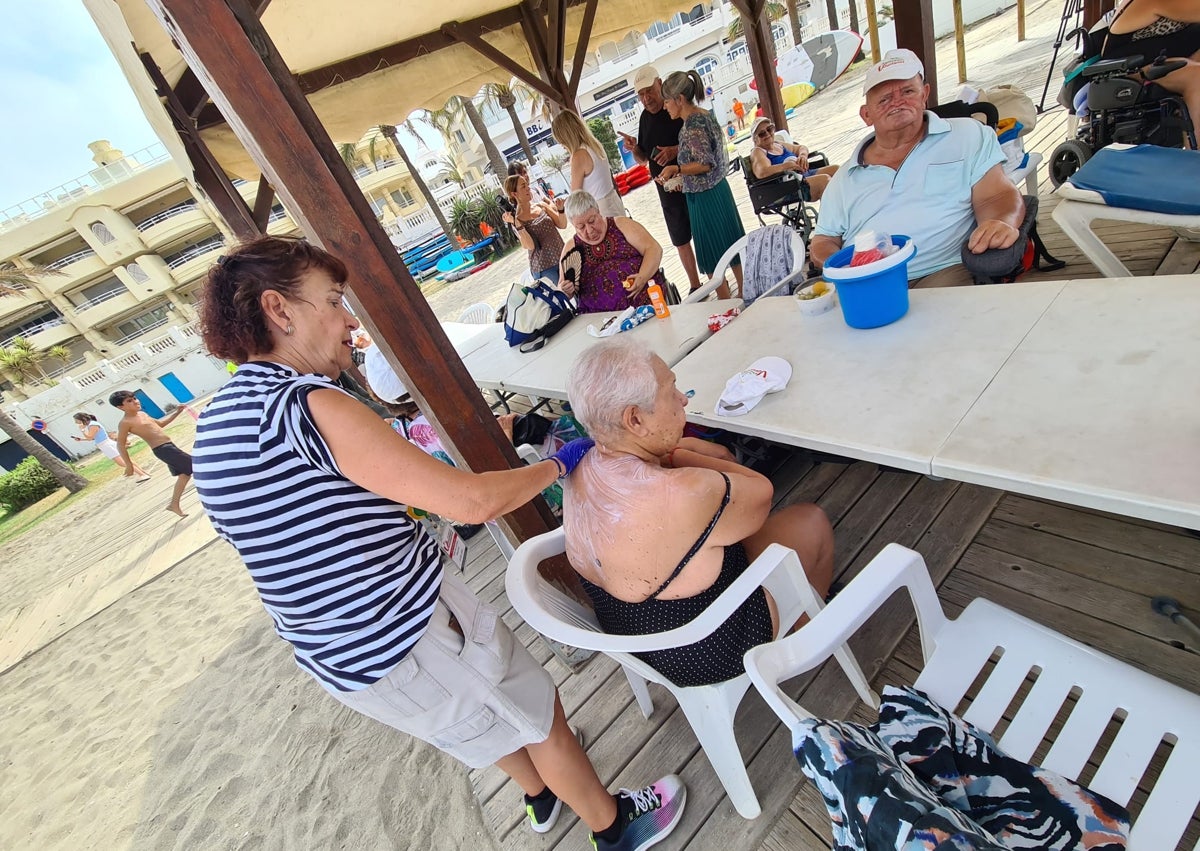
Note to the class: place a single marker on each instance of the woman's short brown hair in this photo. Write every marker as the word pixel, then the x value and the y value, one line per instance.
pixel 231 318
pixel 511 183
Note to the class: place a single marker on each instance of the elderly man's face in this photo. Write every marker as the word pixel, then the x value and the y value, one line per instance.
pixel 591 226
pixel 651 96
pixel 895 104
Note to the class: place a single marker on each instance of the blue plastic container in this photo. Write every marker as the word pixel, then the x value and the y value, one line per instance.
pixel 876 294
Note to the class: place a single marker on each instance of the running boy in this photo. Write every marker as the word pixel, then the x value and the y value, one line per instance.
pixel 151 430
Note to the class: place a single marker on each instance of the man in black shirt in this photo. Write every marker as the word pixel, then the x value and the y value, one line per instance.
pixel 657 143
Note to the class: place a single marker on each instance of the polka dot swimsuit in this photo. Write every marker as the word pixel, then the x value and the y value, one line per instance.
pixel 712 660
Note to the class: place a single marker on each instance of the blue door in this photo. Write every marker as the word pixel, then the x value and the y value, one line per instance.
pixel 148 404
pixel 176 388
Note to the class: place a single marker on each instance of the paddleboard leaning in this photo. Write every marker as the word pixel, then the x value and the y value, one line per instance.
pixel 819 60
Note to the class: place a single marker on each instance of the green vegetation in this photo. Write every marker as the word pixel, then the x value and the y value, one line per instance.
pixel 602 129
pixel 25 485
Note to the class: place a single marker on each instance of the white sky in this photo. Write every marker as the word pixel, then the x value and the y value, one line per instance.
pixel 60 89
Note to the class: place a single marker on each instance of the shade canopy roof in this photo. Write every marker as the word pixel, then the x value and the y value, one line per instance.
pixel 373 61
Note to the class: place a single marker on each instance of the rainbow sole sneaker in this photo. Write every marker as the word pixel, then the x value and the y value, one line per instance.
pixel 647 815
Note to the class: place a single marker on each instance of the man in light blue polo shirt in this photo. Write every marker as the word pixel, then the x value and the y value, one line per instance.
pixel 933 179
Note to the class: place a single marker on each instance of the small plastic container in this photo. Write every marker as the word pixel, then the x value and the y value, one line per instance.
pixel 874 295
pixel 816 305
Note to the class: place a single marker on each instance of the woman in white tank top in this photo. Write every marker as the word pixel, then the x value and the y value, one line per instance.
pixel 589 166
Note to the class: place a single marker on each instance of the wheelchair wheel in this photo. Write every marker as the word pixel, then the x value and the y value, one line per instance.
pixel 1066 160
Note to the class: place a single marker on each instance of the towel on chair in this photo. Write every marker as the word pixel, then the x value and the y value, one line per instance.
pixel 766 261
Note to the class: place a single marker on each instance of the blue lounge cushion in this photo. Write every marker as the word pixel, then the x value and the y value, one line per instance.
pixel 1144 177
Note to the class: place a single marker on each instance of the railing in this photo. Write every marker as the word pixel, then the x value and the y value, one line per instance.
pixel 82 186
pixel 162 344
pixel 192 329
pixel 126 360
pixel 100 299
pixel 96 376
pixel 192 252
pixel 141 332
pixel 674 30
pixel 64 262
pixel 169 213
pixel 61 371
pixel 26 333
pixel 14 289
pixel 276 215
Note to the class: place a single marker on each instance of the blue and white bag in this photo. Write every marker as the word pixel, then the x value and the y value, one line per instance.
pixel 534 313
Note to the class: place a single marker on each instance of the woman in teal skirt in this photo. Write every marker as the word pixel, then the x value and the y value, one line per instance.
pixel 703 162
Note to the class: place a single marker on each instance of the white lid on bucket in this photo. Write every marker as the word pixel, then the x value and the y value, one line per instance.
pixel 853 273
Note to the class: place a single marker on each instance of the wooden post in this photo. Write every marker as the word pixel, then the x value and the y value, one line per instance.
pixel 914 30
pixel 959 42
pixel 761 48
pixel 238 65
pixel 1020 20
pixel 873 31
pixel 205 170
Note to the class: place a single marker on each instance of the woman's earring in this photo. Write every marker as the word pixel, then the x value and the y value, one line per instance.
pixel 290 330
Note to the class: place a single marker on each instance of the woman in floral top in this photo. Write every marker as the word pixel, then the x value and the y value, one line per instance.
pixel 703 162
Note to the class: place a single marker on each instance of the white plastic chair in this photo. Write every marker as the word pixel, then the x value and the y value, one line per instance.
pixel 718 275
pixel 532 456
pixel 957 650
pixel 480 313
pixel 709 709
pixel 1028 173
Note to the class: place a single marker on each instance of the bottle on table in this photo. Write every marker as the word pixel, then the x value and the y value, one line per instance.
pixel 658 300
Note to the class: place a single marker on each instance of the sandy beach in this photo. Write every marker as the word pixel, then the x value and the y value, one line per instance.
pixel 175 718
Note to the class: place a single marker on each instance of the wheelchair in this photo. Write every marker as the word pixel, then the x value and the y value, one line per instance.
pixel 1122 109
pixel 785 196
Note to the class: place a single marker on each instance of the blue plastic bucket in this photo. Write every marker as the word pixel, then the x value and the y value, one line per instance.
pixel 876 294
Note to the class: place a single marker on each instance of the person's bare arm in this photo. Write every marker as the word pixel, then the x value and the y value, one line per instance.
pixel 581 167
pixel 122 439
pixel 168 419
pixel 999 209
pixel 631 145
pixel 523 235
pixel 556 215
pixel 750 495
pixel 822 248
pixel 368 454
pixel 762 168
pixel 646 245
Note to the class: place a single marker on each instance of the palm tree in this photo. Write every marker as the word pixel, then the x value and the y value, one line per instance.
pixel 14 280
pixel 557 162
pixel 468 108
pixel 389 132
pixel 452 172
pixel 832 13
pixel 774 12
pixel 21 358
pixel 793 15
pixel 505 97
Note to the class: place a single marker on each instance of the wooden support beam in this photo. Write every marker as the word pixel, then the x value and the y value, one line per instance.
pixel 873 31
pixel 263 201
pixel 206 171
pixel 960 46
pixel 191 94
pixel 1020 20
pixel 581 48
pixel 914 30
pixel 761 47
pixel 556 32
pixel 534 27
pixel 455 31
pixel 225 44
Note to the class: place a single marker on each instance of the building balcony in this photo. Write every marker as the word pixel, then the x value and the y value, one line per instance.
pixel 389 172
pixel 173 224
pixel 20 302
pixel 71 270
pixel 49 333
pixel 105 308
pixel 193 261
pixel 142 332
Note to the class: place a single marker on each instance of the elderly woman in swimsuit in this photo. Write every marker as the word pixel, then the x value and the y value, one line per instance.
pixel 770 157
pixel 658 525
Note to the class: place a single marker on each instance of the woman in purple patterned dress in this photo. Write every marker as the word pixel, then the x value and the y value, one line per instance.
pixel 620 258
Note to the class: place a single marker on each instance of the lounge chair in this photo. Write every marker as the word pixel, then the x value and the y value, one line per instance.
pixel 1145 184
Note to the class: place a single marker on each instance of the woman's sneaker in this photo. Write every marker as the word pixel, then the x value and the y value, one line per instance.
pixel 543 812
pixel 647 816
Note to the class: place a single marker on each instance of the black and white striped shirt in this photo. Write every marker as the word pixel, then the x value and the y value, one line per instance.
pixel 348 577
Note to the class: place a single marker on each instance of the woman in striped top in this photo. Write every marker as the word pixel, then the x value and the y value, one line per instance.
pixel 310 487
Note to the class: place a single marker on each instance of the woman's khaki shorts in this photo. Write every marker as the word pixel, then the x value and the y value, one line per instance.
pixel 478 695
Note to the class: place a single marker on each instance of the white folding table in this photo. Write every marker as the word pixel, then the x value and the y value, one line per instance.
pixel 1098 406
pixel 891 395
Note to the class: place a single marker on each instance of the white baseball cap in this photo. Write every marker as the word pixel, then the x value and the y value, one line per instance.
pixel 645 77
pixel 898 64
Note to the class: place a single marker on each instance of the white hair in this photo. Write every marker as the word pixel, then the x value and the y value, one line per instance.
pixel 578 203
pixel 606 379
